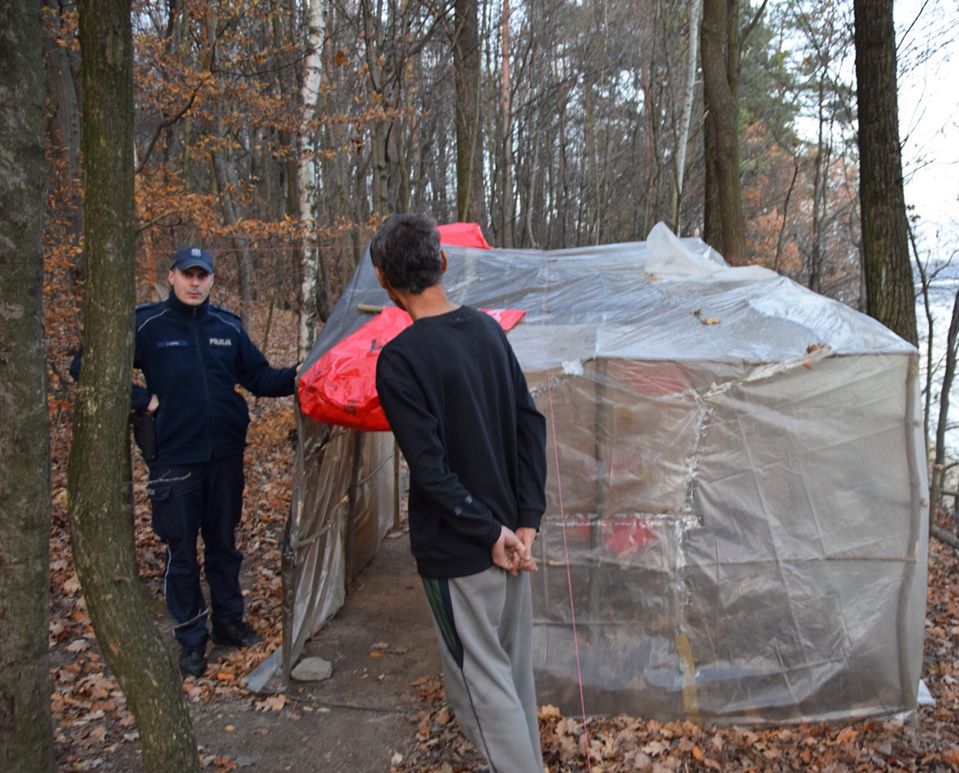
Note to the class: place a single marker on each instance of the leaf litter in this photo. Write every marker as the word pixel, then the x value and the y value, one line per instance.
pixel 92 718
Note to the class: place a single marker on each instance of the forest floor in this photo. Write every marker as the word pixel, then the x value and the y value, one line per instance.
pixel 383 707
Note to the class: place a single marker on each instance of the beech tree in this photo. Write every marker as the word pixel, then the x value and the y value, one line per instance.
pixel 26 736
pixel 101 529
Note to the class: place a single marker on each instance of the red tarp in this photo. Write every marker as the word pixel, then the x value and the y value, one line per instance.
pixel 463 235
pixel 340 387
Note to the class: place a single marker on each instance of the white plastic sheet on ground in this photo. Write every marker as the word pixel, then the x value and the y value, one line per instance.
pixel 734 493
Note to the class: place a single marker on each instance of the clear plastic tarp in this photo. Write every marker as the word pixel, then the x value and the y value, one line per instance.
pixel 735 526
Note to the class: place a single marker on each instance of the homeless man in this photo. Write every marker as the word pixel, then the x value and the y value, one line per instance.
pixel 192 355
pixel 463 417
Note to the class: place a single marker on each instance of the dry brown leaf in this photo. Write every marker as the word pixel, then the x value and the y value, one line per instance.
pixel 71 586
pixel 846 735
pixel 275 702
pixel 654 748
pixel 549 712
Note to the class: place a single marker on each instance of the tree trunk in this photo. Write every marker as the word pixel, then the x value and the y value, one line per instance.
pixel 226 179
pixel 26 735
pixel 948 376
pixel 306 181
pixel 467 68
pixel 506 145
pixel 724 218
pixel 100 532
pixel 819 186
pixel 692 59
pixel 63 115
pixel 889 290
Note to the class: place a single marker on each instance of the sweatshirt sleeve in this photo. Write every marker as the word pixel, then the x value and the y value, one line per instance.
pixel 417 433
pixel 531 449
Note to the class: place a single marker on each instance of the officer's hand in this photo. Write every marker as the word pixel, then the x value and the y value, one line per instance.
pixel 153 404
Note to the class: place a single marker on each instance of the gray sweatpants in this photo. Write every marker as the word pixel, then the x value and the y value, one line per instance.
pixel 484 624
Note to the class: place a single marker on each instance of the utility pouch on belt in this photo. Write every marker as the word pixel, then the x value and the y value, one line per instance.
pixel 143 434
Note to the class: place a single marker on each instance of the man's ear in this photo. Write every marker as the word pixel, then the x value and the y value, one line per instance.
pixel 382 280
pixel 169 277
pixel 443 260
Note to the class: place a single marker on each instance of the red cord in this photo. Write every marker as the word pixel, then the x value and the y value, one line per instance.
pixel 569 577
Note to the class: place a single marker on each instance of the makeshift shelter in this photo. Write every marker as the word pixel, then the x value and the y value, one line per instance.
pixel 735 527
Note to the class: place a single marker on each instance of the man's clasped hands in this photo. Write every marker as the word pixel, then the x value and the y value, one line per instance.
pixel 513 551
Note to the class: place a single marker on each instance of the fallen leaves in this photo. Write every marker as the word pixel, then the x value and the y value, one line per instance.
pixel 92 718
pixel 620 744
pixel 272 703
pixel 89 708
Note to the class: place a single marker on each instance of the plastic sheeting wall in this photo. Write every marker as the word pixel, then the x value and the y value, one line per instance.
pixel 342 508
pixel 738 550
pixel 733 493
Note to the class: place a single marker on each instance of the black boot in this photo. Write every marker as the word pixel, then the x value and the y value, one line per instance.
pixel 235 634
pixel 192 661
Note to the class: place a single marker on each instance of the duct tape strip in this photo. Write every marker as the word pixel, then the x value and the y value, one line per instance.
pixel 688 667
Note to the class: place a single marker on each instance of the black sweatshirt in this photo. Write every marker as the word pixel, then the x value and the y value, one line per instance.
pixel 458 404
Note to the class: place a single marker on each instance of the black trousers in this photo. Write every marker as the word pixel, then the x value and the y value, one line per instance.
pixel 197 499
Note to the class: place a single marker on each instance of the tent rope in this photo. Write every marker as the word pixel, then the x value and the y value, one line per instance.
pixel 569 576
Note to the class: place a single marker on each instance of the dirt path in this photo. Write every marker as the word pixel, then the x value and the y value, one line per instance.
pixel 380 644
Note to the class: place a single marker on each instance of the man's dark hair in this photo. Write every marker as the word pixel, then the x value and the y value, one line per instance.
pixel 406 249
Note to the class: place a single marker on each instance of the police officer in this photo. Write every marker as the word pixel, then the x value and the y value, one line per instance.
pixel 192 355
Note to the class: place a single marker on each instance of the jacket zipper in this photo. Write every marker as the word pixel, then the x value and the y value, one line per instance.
pixel 206 386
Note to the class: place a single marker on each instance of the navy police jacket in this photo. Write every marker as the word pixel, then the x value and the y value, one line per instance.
pixel 192 358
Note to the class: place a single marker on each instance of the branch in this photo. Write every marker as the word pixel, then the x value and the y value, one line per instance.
pixel 944 536
pixel 163 125
pixel 752 24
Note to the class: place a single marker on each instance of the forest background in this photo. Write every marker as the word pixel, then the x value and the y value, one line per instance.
pixel 280 132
